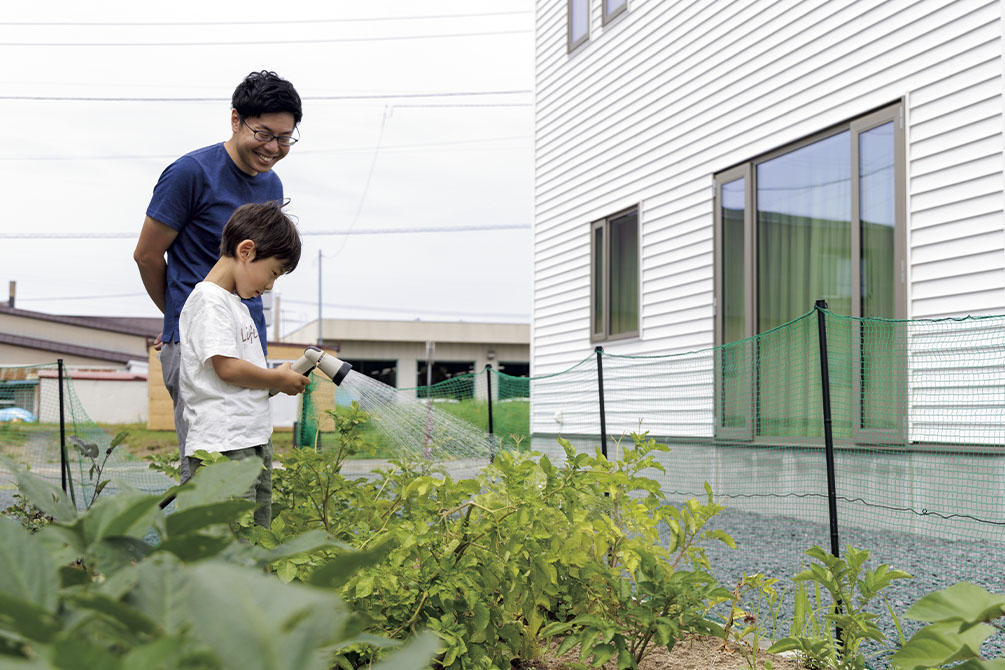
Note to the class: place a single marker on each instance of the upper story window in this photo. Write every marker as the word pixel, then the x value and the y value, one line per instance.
pixel 614 8
pixel 614 276
pixel 579 22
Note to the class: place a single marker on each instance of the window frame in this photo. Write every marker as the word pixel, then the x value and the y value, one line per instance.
pixel 748 170
pixel 571 44
pixel 602 333
pixel 608 17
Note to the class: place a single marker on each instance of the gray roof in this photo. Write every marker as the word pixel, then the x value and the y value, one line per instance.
pixel 64 348
pixel 142 325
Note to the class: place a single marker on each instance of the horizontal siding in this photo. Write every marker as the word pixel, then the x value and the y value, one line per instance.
pixel 653 105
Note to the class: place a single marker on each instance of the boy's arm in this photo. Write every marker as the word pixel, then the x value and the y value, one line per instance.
pixel 243 373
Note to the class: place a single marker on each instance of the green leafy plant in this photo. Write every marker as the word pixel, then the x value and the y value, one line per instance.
pixel 92 452
pixel 836 645
pixel 960 618
pixel 31 518
pixel 631 593
pixel 748 636
pixel 90 591
pixel 165 463
pixel 489 563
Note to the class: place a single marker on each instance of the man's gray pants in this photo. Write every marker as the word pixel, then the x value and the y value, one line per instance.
pixel 171 370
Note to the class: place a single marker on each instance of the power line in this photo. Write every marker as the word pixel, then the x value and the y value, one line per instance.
pixel 83 297
pixel 76 235
pixel 330 40
pixel 314 98
pixel 257 23
pixel 285 300
pixel 300 152
pixel 396 310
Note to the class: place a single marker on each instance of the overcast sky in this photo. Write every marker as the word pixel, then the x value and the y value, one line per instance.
pixel 416 116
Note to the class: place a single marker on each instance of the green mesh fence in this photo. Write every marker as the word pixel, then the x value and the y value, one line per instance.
pixel 31 435
pixel 918 424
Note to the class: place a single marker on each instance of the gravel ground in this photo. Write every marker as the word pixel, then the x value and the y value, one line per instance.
pixel 775 546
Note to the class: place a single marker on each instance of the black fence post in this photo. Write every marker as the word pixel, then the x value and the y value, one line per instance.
pixel 603 411
pixel 492 437
pixel 825 393
pixel 62 428
pixel 64 461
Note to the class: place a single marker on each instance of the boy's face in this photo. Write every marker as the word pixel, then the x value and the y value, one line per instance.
pixel 254 277
pixel 253 155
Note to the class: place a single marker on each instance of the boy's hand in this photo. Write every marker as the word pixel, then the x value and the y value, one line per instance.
pixel 288 381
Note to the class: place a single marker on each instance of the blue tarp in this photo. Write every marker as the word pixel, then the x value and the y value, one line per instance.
pixel 17 414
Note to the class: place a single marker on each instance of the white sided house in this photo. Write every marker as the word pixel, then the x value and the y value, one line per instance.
pixel 706 170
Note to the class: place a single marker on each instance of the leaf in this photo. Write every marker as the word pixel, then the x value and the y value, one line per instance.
pixel 125 514
pixel 195 546
pixel 82 654
pixel 964 601
pixel 416 654
pixel 602 653
pixel 201 516
pixel 312 540
pixel 217 482
pixel 255 622
pixel 335 572
pixel 43 495
pixel 568 643
pixel 785 644
pixel 158 588
pixel 941 643
pixel 26 571
pixel 131 618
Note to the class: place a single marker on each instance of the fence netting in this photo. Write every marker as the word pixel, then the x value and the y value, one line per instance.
pixel 32 435
pixel 917 420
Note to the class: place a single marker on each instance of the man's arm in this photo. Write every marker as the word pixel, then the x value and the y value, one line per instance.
pixel 243 373
pixel 155 238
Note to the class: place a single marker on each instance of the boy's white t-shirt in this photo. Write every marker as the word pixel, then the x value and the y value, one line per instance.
pixel 220 416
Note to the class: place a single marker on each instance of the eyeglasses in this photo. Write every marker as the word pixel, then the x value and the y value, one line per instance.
pixel 264 136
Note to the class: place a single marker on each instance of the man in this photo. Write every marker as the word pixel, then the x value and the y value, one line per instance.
pixel 193 200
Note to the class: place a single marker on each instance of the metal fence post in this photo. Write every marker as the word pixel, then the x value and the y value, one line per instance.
pixel 62 428
pixel 603 411
pixel 492 437
pixel 825 393
pixel 64 462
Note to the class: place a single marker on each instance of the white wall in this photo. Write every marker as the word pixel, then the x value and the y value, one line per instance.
pixel 673 91
pixel 103 400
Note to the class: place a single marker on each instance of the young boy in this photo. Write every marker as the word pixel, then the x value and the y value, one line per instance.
pixel 224 379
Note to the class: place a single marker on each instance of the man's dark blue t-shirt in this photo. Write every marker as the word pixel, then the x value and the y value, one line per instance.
pixel 196 195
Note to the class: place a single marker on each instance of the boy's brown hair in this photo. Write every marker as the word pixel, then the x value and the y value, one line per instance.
pixel 268 226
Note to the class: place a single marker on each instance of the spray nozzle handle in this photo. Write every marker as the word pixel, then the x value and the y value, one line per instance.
pixel 313 357
pixel 306 363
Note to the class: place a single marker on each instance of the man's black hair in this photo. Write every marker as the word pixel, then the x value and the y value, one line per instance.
pixel 267 225
pixel 266 93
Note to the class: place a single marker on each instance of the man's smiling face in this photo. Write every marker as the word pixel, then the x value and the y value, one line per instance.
pixel 254 155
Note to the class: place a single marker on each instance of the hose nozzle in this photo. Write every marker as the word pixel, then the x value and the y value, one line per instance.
pixel 334 368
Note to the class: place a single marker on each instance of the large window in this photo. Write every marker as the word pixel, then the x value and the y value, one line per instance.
pixel 614 276
pixel 579 22
pixel 821 218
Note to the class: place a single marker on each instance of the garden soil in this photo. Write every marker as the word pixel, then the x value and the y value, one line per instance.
pixel 696 653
